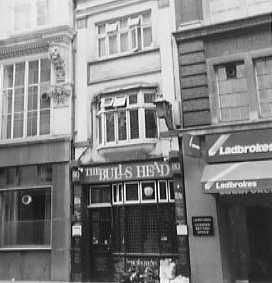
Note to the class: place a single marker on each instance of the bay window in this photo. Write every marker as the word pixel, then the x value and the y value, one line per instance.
pixel 25 212
pixel 128 117
pixel 124 35
pixel 24 112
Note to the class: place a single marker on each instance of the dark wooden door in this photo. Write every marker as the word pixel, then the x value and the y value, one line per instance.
pixel 100 259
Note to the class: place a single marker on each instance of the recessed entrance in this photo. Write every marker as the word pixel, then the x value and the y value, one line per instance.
pixel 246 238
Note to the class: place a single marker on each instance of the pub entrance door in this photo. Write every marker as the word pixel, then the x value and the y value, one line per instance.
pixel 100 259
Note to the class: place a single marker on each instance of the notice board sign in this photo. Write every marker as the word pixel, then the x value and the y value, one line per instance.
pixel 202 226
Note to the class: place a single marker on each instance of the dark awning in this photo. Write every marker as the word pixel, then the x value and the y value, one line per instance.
pixel 238 177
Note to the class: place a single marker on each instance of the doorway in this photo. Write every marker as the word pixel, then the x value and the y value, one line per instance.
pixel 259 221
pixel 100 233
pixel 246 229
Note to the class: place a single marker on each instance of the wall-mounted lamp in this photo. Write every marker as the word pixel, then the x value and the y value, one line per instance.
pixel 164 110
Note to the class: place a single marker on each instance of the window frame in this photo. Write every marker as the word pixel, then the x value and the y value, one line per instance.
pixel 134 27
pixel 249 59
pixel 27 85
pixel 140 106
pixel 32 187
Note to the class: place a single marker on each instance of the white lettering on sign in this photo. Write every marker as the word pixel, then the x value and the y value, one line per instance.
pixel 121 172
pixel 235 185
pixel 244 149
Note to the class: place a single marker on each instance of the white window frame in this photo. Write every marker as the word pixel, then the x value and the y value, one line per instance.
pixel 32 247
pixel 119 194
pixel 169 193
pixel 26 86
pixel 125 193
pixel 140 106
pixel 98 204
pixel 159 191
pixel 134 23
pixel 155 192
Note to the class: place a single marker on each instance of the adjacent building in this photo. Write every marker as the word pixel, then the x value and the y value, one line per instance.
pixel 225 59
pixel 127 195
pixel 36 87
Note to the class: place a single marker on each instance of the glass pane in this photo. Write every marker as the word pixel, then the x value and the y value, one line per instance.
pixel 167 228
pixel 32 123
pixel 132 99
pixel 100 129
pixel 113 44
pixel 101 29
pixel 147 18
pixel 33 75
pixel 151 130
pixel 148 191
pixel 171 190
pixel 8 76
pixel 28 175
pixel 110 126
pixel 44 103
pixel 149 97
pixel 45 70
pixel 100 194
pixel 26 217
pixel 8 176
pixel 122 125
pixel 32 98
pixel 133 229
pixel 134 42
pixel 124 42
pixel 101 47
pixel 46 174
pixel 162 190
pixel 19 100
pixel 134 124
pixel 44 122
pixel 18 125
pixel 19 74
pixel 147 37
pixel 132 193
pixel 6 113
pixel 150 229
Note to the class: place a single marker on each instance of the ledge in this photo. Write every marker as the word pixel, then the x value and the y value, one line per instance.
pixel 234 26
pixel 218 129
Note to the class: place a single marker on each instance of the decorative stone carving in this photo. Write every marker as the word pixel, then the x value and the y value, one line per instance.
pixel 57 60
pixel 59 93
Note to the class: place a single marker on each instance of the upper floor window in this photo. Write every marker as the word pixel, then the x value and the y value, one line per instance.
pixel 127 117
pixel 124 35
pixel 28 14
pixel 243 90
pixel 24 113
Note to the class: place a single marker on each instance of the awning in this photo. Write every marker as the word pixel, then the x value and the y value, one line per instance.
pixel 238 177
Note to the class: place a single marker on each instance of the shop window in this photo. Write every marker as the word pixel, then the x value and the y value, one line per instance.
pixel 24 112
pixel 25 219
pixel 263 71
pixel 100 195
pixel 124 35
pixel 25 175
pixel 144 223
pixel 29 14
pixel 130 117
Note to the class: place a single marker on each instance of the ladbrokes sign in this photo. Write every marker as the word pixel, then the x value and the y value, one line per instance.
pixel 244 145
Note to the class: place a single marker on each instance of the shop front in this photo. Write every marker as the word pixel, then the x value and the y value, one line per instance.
pixel 238 176
pixel 124 217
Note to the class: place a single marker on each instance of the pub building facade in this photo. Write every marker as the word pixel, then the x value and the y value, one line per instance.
pixel 127 198
pixel 35 139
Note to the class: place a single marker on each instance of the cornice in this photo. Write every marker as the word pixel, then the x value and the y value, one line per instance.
pixel 231 27
pixel 34 42
pixel 113 5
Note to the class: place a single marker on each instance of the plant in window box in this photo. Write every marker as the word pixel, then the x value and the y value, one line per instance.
pixel 59 93
pixel 135 275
